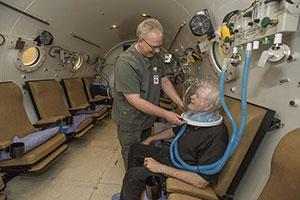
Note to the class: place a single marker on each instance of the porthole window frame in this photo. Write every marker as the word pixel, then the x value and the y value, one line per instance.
pixel 34 57
pixel 37 64
pixel 80 63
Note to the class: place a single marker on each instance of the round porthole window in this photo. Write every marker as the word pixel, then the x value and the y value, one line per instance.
pixel 30 58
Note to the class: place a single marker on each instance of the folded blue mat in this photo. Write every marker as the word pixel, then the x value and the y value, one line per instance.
pixel 32 141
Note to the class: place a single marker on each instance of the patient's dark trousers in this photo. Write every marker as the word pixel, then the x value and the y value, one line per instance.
pixel 134 180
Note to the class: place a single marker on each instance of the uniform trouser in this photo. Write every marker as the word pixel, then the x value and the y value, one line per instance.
pixel 135 177
pixel 127 138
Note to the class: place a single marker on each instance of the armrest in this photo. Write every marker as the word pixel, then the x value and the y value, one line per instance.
pixel 177 186
pixel 73 110
pixel 5 144
pixel 49 121
pixel 81 107
pixel 100 98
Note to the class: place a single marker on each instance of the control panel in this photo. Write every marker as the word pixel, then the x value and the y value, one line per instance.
pixel 263 18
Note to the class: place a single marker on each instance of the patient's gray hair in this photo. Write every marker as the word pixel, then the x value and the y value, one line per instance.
pixel 148 25
pixel 212 92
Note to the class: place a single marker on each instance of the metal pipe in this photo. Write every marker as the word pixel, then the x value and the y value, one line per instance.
pixel 131 41
pixel 85 40
pixel 24 13
pixel 176 35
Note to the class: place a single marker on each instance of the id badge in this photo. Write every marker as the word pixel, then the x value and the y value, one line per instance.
pixel 155 79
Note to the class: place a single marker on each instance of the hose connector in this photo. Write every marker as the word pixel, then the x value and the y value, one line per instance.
pixel 225 63
pixel 249 46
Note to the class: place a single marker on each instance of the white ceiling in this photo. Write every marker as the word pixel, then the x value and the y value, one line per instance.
pixel 92 19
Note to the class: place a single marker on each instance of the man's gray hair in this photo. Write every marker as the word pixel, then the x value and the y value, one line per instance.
pixel 148 25
pixel 213 94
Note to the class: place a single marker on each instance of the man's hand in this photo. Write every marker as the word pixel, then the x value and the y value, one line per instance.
pixel 173 118
pixel 153 165
pixel 180 105
pixel 151 109
pixel 148 140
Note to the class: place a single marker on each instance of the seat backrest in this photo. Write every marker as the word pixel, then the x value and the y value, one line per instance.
pixel 74 89
pixel 13 117
pixel 255 117
pixel 87 84
pixel 284 180
pixel 48 98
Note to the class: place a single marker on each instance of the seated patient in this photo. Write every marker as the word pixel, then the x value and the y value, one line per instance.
pixel 197 146
pixel 98 90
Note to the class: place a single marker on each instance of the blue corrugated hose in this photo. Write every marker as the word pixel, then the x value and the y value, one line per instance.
pixel 235 136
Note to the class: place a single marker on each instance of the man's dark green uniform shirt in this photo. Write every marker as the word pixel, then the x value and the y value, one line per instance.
pixel 136 74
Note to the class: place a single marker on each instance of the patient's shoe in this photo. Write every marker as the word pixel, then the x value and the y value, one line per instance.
pixel 116 196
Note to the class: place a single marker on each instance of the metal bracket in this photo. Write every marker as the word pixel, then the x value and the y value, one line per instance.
pixel 275 124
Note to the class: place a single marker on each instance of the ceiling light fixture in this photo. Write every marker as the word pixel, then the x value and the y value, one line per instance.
pixel 114 26
pixel 145 15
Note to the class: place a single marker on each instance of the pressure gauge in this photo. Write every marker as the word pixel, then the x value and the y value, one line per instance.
pixel 44 38
pixel 2 39
pixel 200 24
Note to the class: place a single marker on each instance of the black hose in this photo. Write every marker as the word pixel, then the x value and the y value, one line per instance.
pixel 229 15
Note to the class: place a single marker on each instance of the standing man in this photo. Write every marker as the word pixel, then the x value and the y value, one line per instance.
pixel 139 77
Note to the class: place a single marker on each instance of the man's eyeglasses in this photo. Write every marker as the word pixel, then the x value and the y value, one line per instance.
pixel 152 47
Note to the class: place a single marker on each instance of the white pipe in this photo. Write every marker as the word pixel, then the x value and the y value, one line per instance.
pixel 118 45
pixel 278 38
